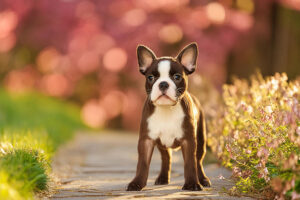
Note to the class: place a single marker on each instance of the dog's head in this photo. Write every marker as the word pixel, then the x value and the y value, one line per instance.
pixel 166 77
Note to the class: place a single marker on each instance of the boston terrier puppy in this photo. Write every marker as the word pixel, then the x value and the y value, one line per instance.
pixel 171 118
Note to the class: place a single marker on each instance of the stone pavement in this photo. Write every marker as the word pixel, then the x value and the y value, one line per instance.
pixel 99 166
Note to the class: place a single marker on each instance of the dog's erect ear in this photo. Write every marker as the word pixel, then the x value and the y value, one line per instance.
pixel 188 57
pixel 145 57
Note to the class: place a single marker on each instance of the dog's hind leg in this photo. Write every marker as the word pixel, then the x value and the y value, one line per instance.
pixel 201 150
pixel 164 176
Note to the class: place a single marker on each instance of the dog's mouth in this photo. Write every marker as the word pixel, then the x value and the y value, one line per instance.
pixel 165 97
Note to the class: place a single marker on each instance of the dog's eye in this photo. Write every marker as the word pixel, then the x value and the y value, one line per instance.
pixel 177 77
pixel 150 78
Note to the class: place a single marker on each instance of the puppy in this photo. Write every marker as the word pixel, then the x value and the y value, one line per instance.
pixel 171 118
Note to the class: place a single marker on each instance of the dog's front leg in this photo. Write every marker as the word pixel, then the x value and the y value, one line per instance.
pixel 188 147
pixel 145 150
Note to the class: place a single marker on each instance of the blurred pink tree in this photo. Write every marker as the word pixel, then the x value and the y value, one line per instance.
pixel 84 50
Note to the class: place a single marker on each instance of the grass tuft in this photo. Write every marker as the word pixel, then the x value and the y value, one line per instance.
pixel 32 127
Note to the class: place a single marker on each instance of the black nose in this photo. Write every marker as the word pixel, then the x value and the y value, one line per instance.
pixel 163 86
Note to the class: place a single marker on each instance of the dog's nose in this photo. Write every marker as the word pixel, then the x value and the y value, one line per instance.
pixel 163 86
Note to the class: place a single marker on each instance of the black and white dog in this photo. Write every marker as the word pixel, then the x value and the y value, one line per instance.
pixel 171 118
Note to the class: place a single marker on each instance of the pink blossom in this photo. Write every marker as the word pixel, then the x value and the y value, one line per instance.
pixel 295 195
pixel 258 165
pixel 221 177
pixel 228 148
pixel 236 134
pixel 266 170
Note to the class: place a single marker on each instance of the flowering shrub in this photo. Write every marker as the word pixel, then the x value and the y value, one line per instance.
pixel 257 133
pixel 207 94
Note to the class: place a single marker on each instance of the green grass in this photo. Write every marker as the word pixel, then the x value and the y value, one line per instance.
pixel 32 126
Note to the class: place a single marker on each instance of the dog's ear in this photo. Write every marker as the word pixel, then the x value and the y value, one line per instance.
pixel 145 57
pixel 188 57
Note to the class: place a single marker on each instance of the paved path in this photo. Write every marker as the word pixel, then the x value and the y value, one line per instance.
pixel 99 166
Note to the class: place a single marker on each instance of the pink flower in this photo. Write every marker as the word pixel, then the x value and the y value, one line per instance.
pixel 228 148
pixel 268 109
pixel 221 177
pixel 262 152
pixel 258 165
pixel 295 195
pixel 249 109
pixel 236 170
pixel 236 135
pixel 266 170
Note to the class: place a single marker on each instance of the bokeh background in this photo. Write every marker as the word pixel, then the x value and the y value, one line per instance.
pixel 84 51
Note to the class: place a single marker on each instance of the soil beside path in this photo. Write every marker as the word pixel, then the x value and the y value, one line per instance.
pixel 99 166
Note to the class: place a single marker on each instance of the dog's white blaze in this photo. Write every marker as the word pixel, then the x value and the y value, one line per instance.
pixel 166 123
pixel 164 70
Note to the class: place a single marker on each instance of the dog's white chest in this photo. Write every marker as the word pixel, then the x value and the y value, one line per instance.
pixel 166 124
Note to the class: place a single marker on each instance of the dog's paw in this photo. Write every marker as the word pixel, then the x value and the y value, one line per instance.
pixel 205 182
pixel 161 180
pixel 192 187
pixel 133 186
